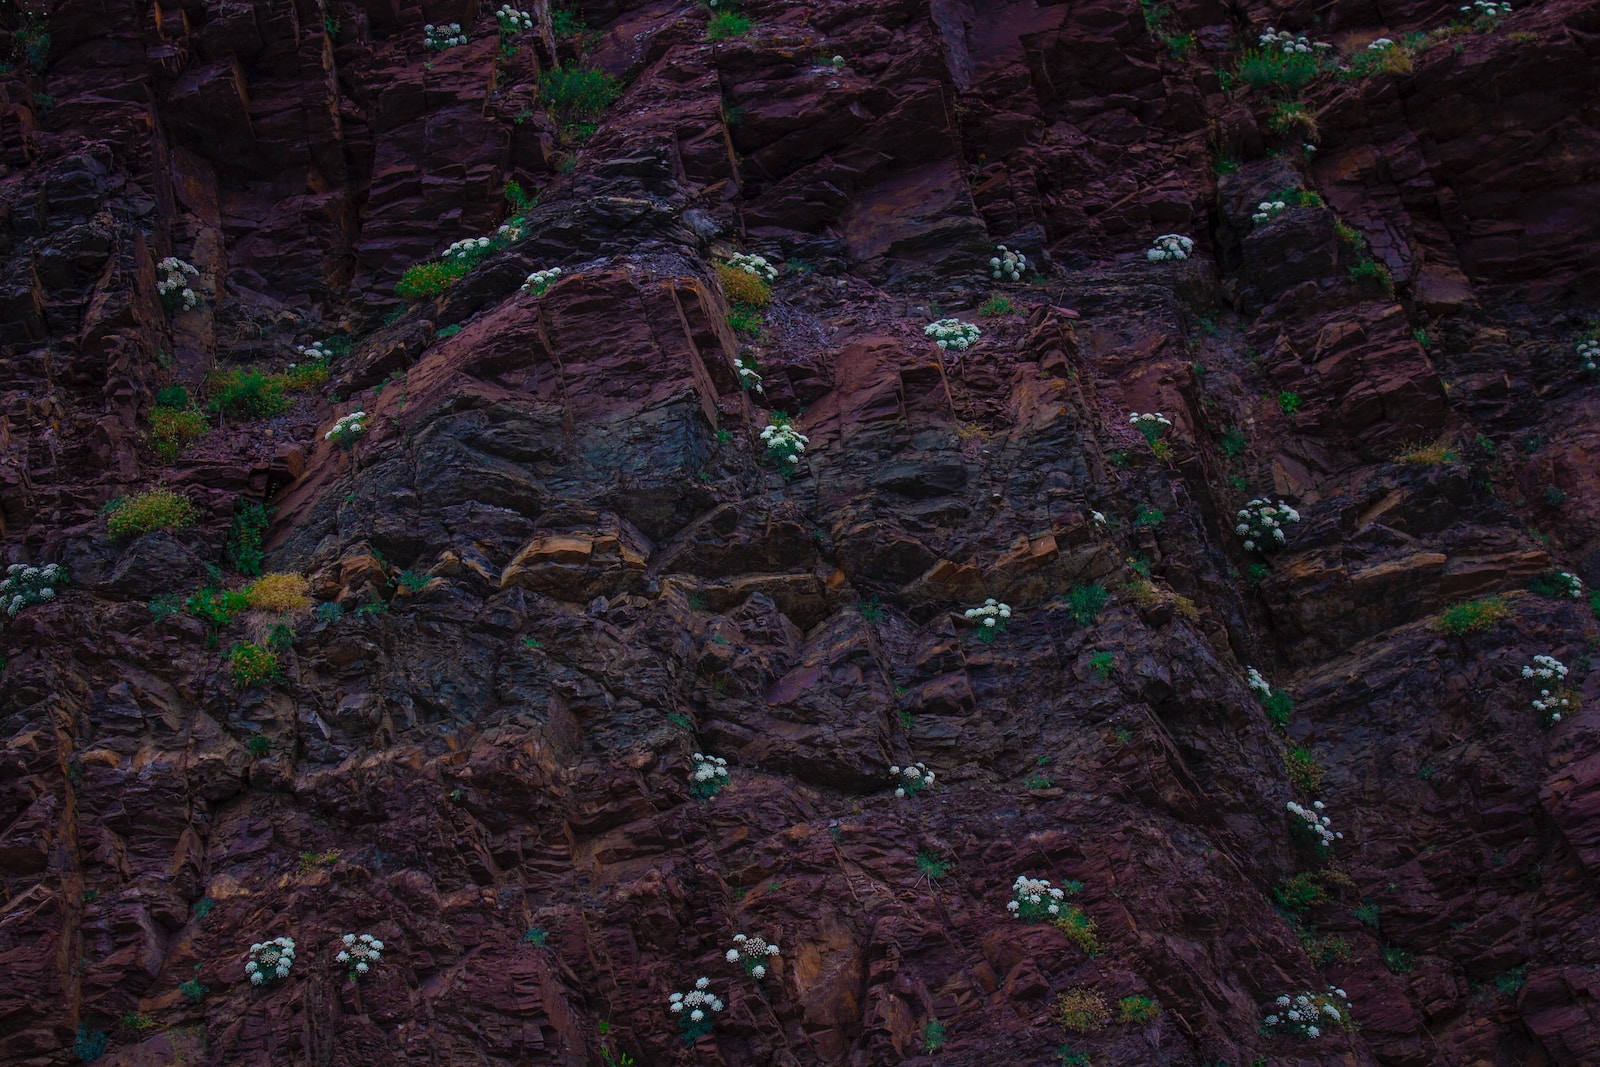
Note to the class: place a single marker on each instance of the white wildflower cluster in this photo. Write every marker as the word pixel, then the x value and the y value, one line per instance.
pixel 785 445
pixel 1382 44
pixel 1268 210
pixel 1550 703
pixel 1008 264
pixel 173 285
pixel 438 38
pixel 1150 425
pixel 470 250
pixel 953 333
pixel 360 952
pixel 1567 584
pixel 347 429
pixel 909 781
pixel 510 230
pixel 1257 684
pixel 513 21
pixel 756 265
pixel 1589 356
pixel 314 351
pixel 1311 826
pixel 540 281
pixel 1261 523
pixel 1033 899
pixel 692 1009
pixel 1309 1015
pixel 1169 246
pixel 1486 10
pixel 837 62
pixel 991 618
pixel 1291 43
pixel 269 960
pixel 749 377
pixel 25 586
pixel 709 775
pixel 751 953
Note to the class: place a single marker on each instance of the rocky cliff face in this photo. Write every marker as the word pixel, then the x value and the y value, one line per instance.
pixel 487 764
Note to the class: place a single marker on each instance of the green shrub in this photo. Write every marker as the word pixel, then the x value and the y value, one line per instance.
pixel 725 25
pixel 1278 705
pixel 1472 616
pixel 192 990
pixel 1079 928
pixel 1367 914
pixel 1138 1010
pixel 1398 960
pixel 1273 69
pixel 173 429
pixel 258 746
pixel 251 664
pixel 1084 601
pixel 1289 403
pixel 215 607
pixel 159 509
pixel 424 280
pixel 1304 770
pixel 1301 892
pixel 163 607
pixel 172 396
pixel 996 306
pixel 1100 663
pixel 1147 515
pixel 1233 442
pixel 1371 268
pixel 745 319
pixel 248 392
pixel 578 94
pixel 329 611
pixel 1082 1010
pixel 412 582
pixel 90 1044
pixel 932 867
pixel 243 549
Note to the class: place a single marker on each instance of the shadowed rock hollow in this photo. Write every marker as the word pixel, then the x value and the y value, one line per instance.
pixel 560 563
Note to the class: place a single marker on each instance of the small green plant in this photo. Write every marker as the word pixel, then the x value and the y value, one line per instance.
pixel 1301 892
pixel 1233 442
pixel 1082 1010
pixel 1426 454
pixel 870 610
pixel 726 25
pixel 1289 116
pixel 1304 770
pixel 248 393
pixel 1278 705
pixel 1554 497
pixel 1289 403
pixel 1270 68
pixel 311 862
pixel 1473 616
pixel 933 1035
pixel 135 1023
pixel 259 747
pixel 745 319
pixel 1509 982
pixel 164 607
pixel 1068 1057
pixel 1037 781
pixel 172 429
pixel 192 990
pixel 996 306
pixel 1398 960
pixel 1084 601
pixel 202 908
pixel 1079 928
pixel 412 582
pixel 158 509
pixel 243 549
pixel 1370 268
pixel 1422 338
pixel 371 608
pixel 330 26
pixel 575 94
pixel 328 611
pixel 1367 914
pixel 1146 515
pixel 90 1044
pixel 1138 1010
pixel 1226 164
pixel 1100 663
pixel 447 333
pixel 422 281
pixel 1256 573
pixel 251 664
pixel 535 936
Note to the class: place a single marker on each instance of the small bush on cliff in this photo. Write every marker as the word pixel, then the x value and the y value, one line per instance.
pixel 694 1010
pixel 726 25
pixel 991 618
pixel 249 393
pixel 281 594
pixel 1308 1015
pixel 159 509
pixel 424 280
pixel 1554 699
pixel 785 445
pixel 243 549
pixel 1261 522
pixel 1084 601
pixel 173 285
pixel 709 775
pixel 1079 928
pixel 251 664
pixel 577 94
pixel 173 429
pixel 1138 1010
pixel 744 287
pixel 1033 899
pixel 1082 1010
pixel 1558 585
pixel 90 1045
pixel 362 952
pixel 1472 617
pixel 1308 826
pixel 270 960
pixel 215 607
pixel 911 779
pixel 751 953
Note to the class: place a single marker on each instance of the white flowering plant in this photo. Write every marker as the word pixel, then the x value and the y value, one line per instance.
pixel 173 285
pixel 439 38
pixel 540 281
pixel 26 586
pixel 1291 43
pixel 911 780
pixel 348 429
pixel 1554 700
pixel 270 960
pixel 1309 1015
pixel 785 445
pixel 1485 14
pixel 470 250
pixel 1382 44
pixel 1151 425
pixel 694 1010
pixel 1007 265
pixel 1589 356
pixel 1268 210
pixel 753 265
pixel 1033 899
pixel 749 375
pixel 751 953
pixel 1310 827
pixel 1558 584
pixel 708 776
pixel 1277 702
pixel 1261 522
pixel 953 334
pixel 361 952
pixel 512 23
pixel 991 618
pixel 1169 247
pixel 315 351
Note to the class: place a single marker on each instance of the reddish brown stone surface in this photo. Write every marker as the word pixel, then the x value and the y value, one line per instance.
pixel 612 578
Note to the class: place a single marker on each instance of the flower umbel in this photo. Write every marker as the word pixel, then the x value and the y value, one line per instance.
pixel 173 285
pixel 694 1009
pixel 1311 826
pixel 953 334
pixel 1554 699
pixel 1309 1015
pixel 27 585
pixel 1150 425
pixel 1007 265
pixel 909 781
pixel 1261 523
pixel 540 281
pixel 751 953
pixel 348 429
pixel 991 618
pixel 709 775
pixel 361 952
pixel 270 960
pixel 1033 899
pixel 1170 246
